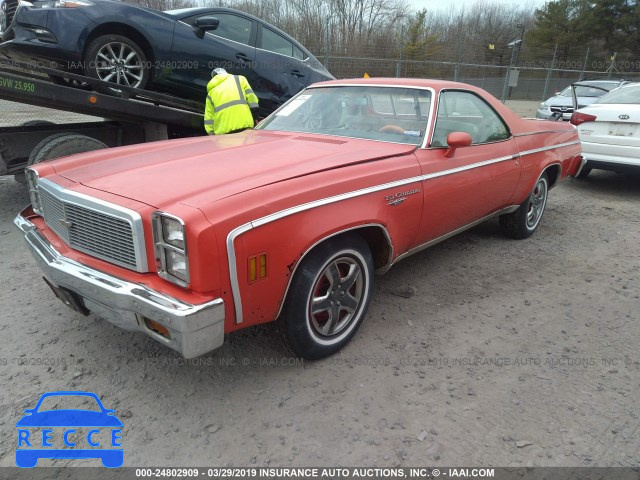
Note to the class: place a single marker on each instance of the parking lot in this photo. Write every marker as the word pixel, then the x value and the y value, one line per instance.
pixel 479 351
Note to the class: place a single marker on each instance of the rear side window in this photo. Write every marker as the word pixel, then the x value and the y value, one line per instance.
pixel 622 96
pixel 233 28
pixel 276 43
pixel 299 54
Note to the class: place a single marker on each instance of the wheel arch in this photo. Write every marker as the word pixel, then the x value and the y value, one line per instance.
pixel 375 235
pixel 116 28
pixel 553 174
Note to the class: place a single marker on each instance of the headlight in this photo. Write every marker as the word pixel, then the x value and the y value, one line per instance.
pixel 170 241
pixel 34 195
pixel 543 106
pixel 173 232
pixel 176 264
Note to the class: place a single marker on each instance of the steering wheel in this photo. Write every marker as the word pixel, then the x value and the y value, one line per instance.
pixel 309 116
pixel 392 129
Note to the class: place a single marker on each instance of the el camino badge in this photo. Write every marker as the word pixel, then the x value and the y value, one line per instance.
pixel 398 198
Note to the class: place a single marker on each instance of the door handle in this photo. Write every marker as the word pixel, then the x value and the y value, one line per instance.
pixel 243 57
pixel 297 73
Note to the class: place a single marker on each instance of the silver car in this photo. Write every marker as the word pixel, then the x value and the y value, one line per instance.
pixel 562 102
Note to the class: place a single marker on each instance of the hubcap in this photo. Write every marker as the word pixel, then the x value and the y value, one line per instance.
pixel 537 202
pixel 336 297
pixel 119 63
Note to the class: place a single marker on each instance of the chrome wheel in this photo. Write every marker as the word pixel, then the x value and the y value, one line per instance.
pixel 525 220
pixel 119 63
pixel 537 202
pixel 336 296
pixel 329 296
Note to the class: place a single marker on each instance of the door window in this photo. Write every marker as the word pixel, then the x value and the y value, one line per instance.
pixel 460 111
pixel 233 27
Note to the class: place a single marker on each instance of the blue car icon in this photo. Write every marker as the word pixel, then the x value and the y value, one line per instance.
pixel 66 422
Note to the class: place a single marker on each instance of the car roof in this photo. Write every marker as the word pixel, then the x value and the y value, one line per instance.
pixel 594 82
pixel 399 82
pixel 612 80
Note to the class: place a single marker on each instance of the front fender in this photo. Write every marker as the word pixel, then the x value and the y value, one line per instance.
pixel 294 217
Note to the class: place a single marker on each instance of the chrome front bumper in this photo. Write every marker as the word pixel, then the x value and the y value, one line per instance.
pixel 194 329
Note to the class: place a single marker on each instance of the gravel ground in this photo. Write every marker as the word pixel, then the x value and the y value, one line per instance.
pixel 480 351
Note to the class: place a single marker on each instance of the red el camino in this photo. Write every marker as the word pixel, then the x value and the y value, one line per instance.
pixel 187 240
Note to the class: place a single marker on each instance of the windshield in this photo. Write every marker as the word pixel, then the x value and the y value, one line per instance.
pixel 392 114
pixel 627 95
pixel 588 91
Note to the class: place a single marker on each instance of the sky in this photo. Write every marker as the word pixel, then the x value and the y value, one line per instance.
pixel 440 5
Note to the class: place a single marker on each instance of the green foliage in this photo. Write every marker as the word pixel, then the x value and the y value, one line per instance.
pixel 419 45
pixel 612 25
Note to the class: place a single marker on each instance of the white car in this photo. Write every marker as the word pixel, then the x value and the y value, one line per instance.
pixel 609 131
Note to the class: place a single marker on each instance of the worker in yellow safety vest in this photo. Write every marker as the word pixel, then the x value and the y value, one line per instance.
pixel 229 105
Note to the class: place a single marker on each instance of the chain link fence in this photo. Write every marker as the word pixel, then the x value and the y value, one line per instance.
pixel 540 73
pixel 534 80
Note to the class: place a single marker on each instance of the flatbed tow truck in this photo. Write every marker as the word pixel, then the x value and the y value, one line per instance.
pixel 130 116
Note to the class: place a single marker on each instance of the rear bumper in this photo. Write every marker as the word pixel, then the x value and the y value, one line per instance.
pixel 193 329
pixel 612 166
pixel 611 157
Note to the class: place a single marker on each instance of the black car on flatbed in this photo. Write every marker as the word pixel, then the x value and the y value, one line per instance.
pixel 172 52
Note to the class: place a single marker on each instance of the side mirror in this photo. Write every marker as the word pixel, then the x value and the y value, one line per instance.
pixel 457 140
pixel 204 24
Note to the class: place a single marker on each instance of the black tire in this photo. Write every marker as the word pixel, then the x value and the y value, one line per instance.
pixel 314 335
pixel 110 47
pixel 525 220
pixel 19 177
pixel 61 145
pixel 584 172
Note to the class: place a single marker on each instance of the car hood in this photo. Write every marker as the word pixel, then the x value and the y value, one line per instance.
pixel 69 418
pixel 167 172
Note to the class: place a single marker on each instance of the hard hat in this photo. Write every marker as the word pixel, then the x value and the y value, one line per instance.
pixel 218 71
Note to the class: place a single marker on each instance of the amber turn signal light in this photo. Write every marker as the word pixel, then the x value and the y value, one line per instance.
pixel 157 328
pixel 257 267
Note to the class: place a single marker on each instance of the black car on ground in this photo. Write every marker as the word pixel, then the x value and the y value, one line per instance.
pixel 173 51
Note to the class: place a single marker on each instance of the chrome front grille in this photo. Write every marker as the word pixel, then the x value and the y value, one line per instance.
pixel 53 213
pixel 562 109
pixel 90 226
